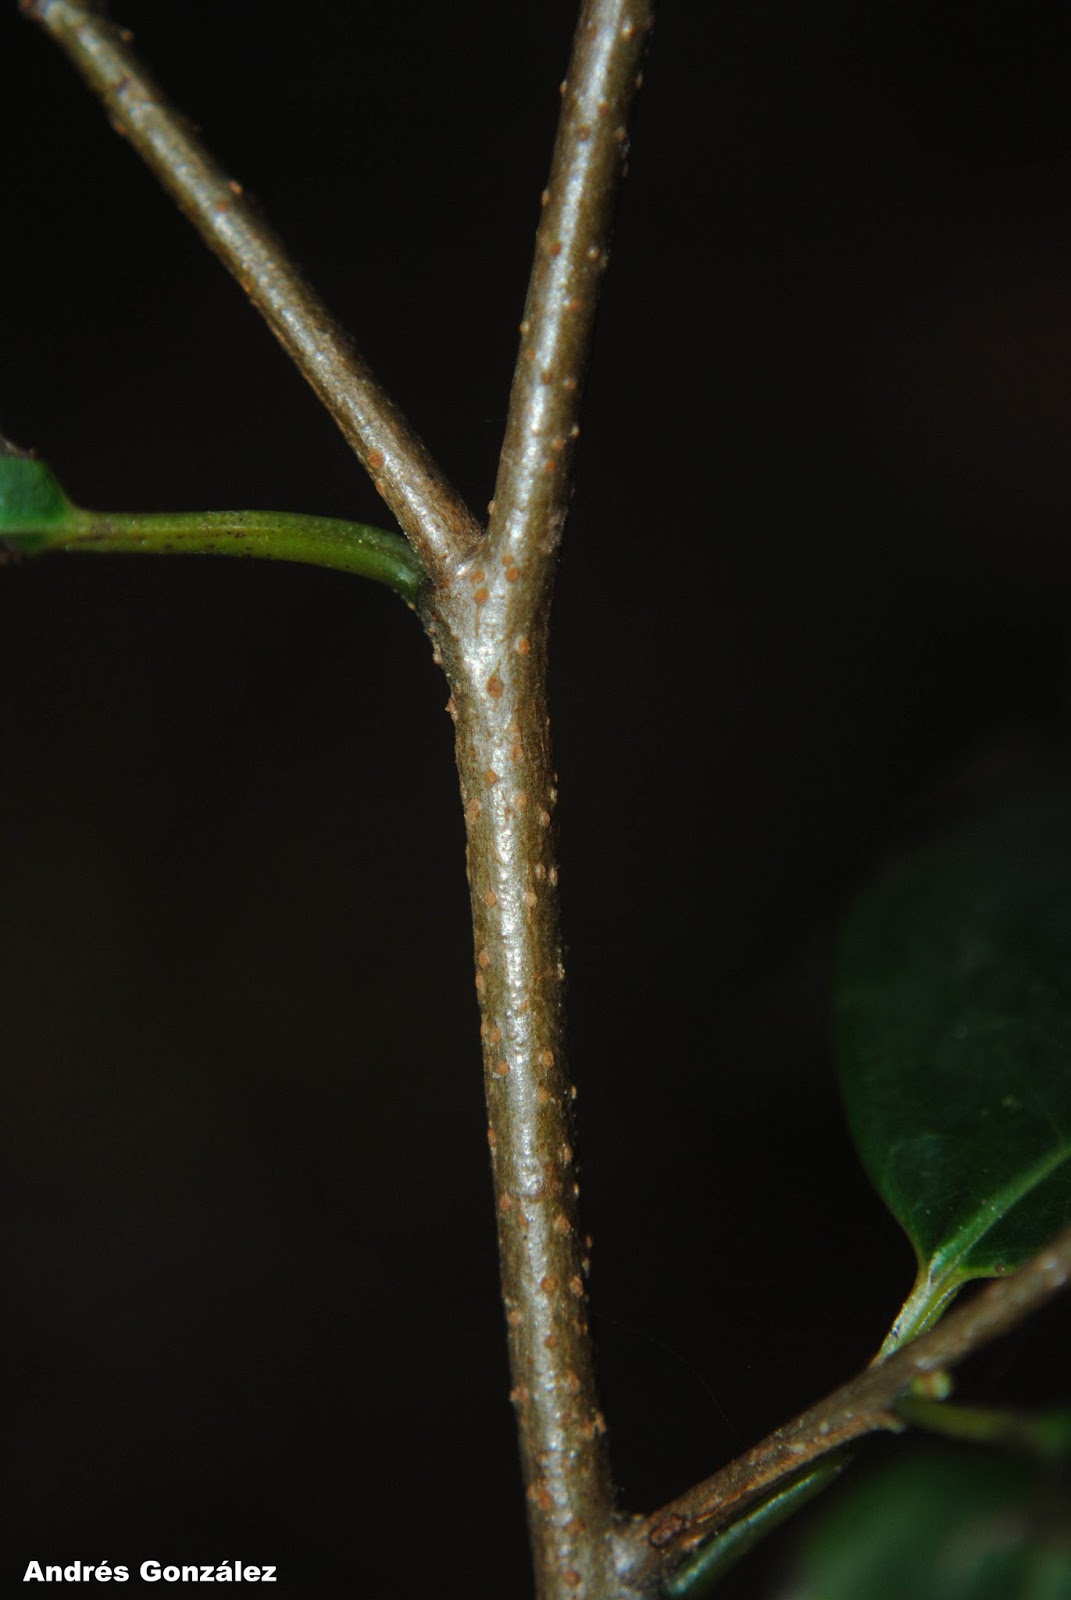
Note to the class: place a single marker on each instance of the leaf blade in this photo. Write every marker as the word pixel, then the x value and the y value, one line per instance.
pixel 944 1525
pixel 953 994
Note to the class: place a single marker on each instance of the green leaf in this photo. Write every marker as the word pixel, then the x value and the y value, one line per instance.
pixel 943 1526
pixel 33 507
pixel 954 1043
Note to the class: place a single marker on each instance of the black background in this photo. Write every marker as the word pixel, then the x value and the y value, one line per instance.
pixel 819 537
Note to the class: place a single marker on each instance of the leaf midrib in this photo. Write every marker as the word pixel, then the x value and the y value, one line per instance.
pixel 944 1262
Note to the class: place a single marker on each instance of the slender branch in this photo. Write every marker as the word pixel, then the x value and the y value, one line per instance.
pixel 428 510
pixel 866 1404
pixel 534 476
pixel 490 628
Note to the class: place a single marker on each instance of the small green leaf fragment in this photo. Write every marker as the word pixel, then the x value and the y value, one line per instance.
pixel 32 504
pixel 1046 1436
pixel 953 994
pixel 945 1525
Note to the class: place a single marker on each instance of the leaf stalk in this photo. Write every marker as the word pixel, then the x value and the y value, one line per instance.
pixel 269 535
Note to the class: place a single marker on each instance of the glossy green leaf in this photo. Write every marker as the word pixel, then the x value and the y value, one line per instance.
pixel 954 1043
pixel 943 1526
pixel 36 516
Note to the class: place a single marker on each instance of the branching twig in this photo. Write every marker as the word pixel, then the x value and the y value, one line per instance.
pixel 864 1405
pixel 491 628
pixel 486 607
pixel 437 523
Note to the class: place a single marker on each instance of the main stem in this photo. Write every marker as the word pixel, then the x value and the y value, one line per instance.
pixel 494 650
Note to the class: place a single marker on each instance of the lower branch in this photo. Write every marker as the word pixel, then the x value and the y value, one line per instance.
pixel 655 1545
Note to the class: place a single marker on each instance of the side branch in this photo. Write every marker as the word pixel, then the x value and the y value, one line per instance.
pixel 867 1404
pixel 534 478
pixel 437 523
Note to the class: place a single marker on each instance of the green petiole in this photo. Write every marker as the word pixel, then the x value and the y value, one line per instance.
pixel 36 516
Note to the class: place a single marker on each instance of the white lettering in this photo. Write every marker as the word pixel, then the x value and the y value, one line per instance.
pixel 33 1573
pixel 151 1572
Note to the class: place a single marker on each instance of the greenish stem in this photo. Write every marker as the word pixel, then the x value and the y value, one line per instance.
pixel 270 535
pixel 1047 1436
pixel 36 515
pixel 921 1311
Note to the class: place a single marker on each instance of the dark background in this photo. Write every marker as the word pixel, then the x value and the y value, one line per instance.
pixel 820 538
